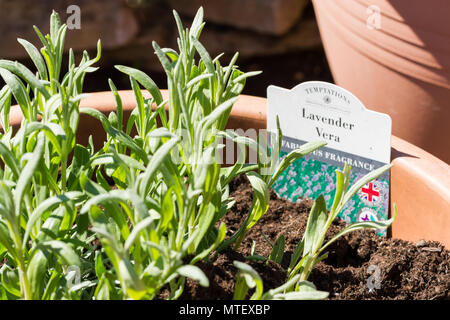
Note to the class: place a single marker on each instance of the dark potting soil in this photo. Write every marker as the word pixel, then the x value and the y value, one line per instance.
pixel 404 270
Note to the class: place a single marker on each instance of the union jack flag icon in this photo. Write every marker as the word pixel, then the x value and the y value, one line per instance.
pixel 370 194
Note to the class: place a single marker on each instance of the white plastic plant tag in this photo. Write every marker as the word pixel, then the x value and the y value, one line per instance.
pixel 314 111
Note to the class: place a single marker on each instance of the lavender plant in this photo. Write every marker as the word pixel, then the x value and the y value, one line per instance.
pixel 39 193
pixel 188 192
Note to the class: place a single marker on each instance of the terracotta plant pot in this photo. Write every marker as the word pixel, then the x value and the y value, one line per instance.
pixel 395 56
pixel 420 182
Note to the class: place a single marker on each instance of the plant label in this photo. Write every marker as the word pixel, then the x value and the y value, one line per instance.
pixel 317 110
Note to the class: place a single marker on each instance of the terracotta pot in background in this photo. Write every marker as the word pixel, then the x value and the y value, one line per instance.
pixel 420 182
pixel 401 68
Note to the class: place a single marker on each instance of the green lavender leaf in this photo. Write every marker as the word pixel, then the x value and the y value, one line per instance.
pixel 144 80
pixel 379 225
pixel 9 159
pixel 163 59
pixel 10 280
pixel 154 164
pixel 314 227
pixel 18 90
pixel 47 205
pixel 37 269
pixel 27 173
pixel 294 155
pixel 36 57
pixel 261 193
pixel 142 225
pixel 194 273
pixel 62 250
pixel 277 252
pixel 251 279
pixel 23 72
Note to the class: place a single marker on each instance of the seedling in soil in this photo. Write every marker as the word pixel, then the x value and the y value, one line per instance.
pixel 247 278
pixel 311 249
